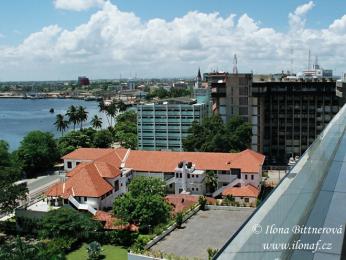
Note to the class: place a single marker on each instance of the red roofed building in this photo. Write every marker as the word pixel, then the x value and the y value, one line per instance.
pixel 96 176
pixel 243 194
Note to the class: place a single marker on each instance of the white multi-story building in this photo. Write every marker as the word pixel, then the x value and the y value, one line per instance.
pixel 96 176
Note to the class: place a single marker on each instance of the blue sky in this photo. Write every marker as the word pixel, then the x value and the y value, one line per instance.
pixel 20 19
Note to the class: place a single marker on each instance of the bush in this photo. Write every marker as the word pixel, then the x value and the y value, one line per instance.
pixel 179 219
pixel 94 250
pixel 211 253
pixel 202 202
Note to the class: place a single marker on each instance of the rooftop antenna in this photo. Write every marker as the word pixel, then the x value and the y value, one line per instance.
pixel 235 64
pixel 309 60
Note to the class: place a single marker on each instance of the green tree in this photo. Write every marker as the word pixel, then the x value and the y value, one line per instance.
pixel 202 201
pixel 103 139
pixel 68 223
pixel 144 204
pixel 126 129
pixel 111 111
pixel 72 116
pixel 82 116
pixel 94 250
pixel 179 219
pixel 76 139
pixel 96 122
pixel 211 181
pixel 9 174
pixel 103 109
pixel 146 186
pixel 61 124
pixel 37 152
pixel 212 135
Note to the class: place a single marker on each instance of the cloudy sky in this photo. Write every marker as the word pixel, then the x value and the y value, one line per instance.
pixel 61 39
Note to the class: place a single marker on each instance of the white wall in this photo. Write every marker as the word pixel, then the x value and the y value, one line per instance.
pixel 74 164
pixel 256 179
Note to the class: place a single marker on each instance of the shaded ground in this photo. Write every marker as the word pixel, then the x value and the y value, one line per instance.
pixel 211 228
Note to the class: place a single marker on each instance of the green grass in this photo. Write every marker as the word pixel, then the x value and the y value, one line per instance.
pixel 110 253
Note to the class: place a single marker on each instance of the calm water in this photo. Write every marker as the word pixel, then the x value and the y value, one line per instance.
pixel 20 116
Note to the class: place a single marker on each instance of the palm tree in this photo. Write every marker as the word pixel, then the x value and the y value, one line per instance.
pixel 111 111
pixel 211 181
pixel 121 106
pixel 72 116
pixel 96 122
pixel 61 124
pixel 103 109
pixel 82 116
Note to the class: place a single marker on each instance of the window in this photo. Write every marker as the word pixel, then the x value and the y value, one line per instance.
pixel 193 189
pixel 85 199
pixel 246 199
pixel 245 176
pixel 116 185
pixel 188 176
pixel 196 189
pixel 77 163
pixel 252 177
pixel 69 165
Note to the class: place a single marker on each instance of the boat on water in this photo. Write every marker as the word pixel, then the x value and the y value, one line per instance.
pixel 51 110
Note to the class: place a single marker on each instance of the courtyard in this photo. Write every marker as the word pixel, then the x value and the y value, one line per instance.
pixel 206 229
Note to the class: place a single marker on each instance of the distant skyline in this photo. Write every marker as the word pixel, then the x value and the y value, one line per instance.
pixel 62 39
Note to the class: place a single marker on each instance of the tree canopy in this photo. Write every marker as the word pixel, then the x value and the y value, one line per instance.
pixel 67 223
pixel 9 174
pixel 212 135
pixel 37 152
pixel 144 204
pixel 126 129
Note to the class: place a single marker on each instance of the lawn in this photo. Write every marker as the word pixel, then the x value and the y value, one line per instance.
pixel 110 253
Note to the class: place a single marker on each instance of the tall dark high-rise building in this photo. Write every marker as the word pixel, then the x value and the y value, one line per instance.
pixel 286 113
pixel 292 113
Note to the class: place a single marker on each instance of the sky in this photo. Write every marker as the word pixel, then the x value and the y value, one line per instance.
pixel 63 39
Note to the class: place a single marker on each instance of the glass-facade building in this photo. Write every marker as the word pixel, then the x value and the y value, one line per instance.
pixel 305 216
pixel 163 126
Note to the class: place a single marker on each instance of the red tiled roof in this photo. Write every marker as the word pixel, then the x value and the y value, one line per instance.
pixel 110 222
pixel 160 161
pixel 243 191
pixel 84 181
pixel 87 154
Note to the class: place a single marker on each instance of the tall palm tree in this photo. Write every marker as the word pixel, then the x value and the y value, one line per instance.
pixel 111 111
pixel 72 116
pixel 96 122
pixel 82 116
pixel 121 106
pixel 103 109
pixel 211 181
pixel 61 124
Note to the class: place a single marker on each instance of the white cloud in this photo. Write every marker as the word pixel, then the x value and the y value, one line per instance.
pixel 77 5
pixel 114 42
pixel 297 18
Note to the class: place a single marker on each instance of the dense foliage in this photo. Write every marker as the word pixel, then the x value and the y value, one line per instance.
pixel 67 223
pixel 85 138
pixel 20 250
pixel 9 173
pixel 126 129
pixel 37 153
pixel 144 204
pixel 172 93
pixel 212 135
